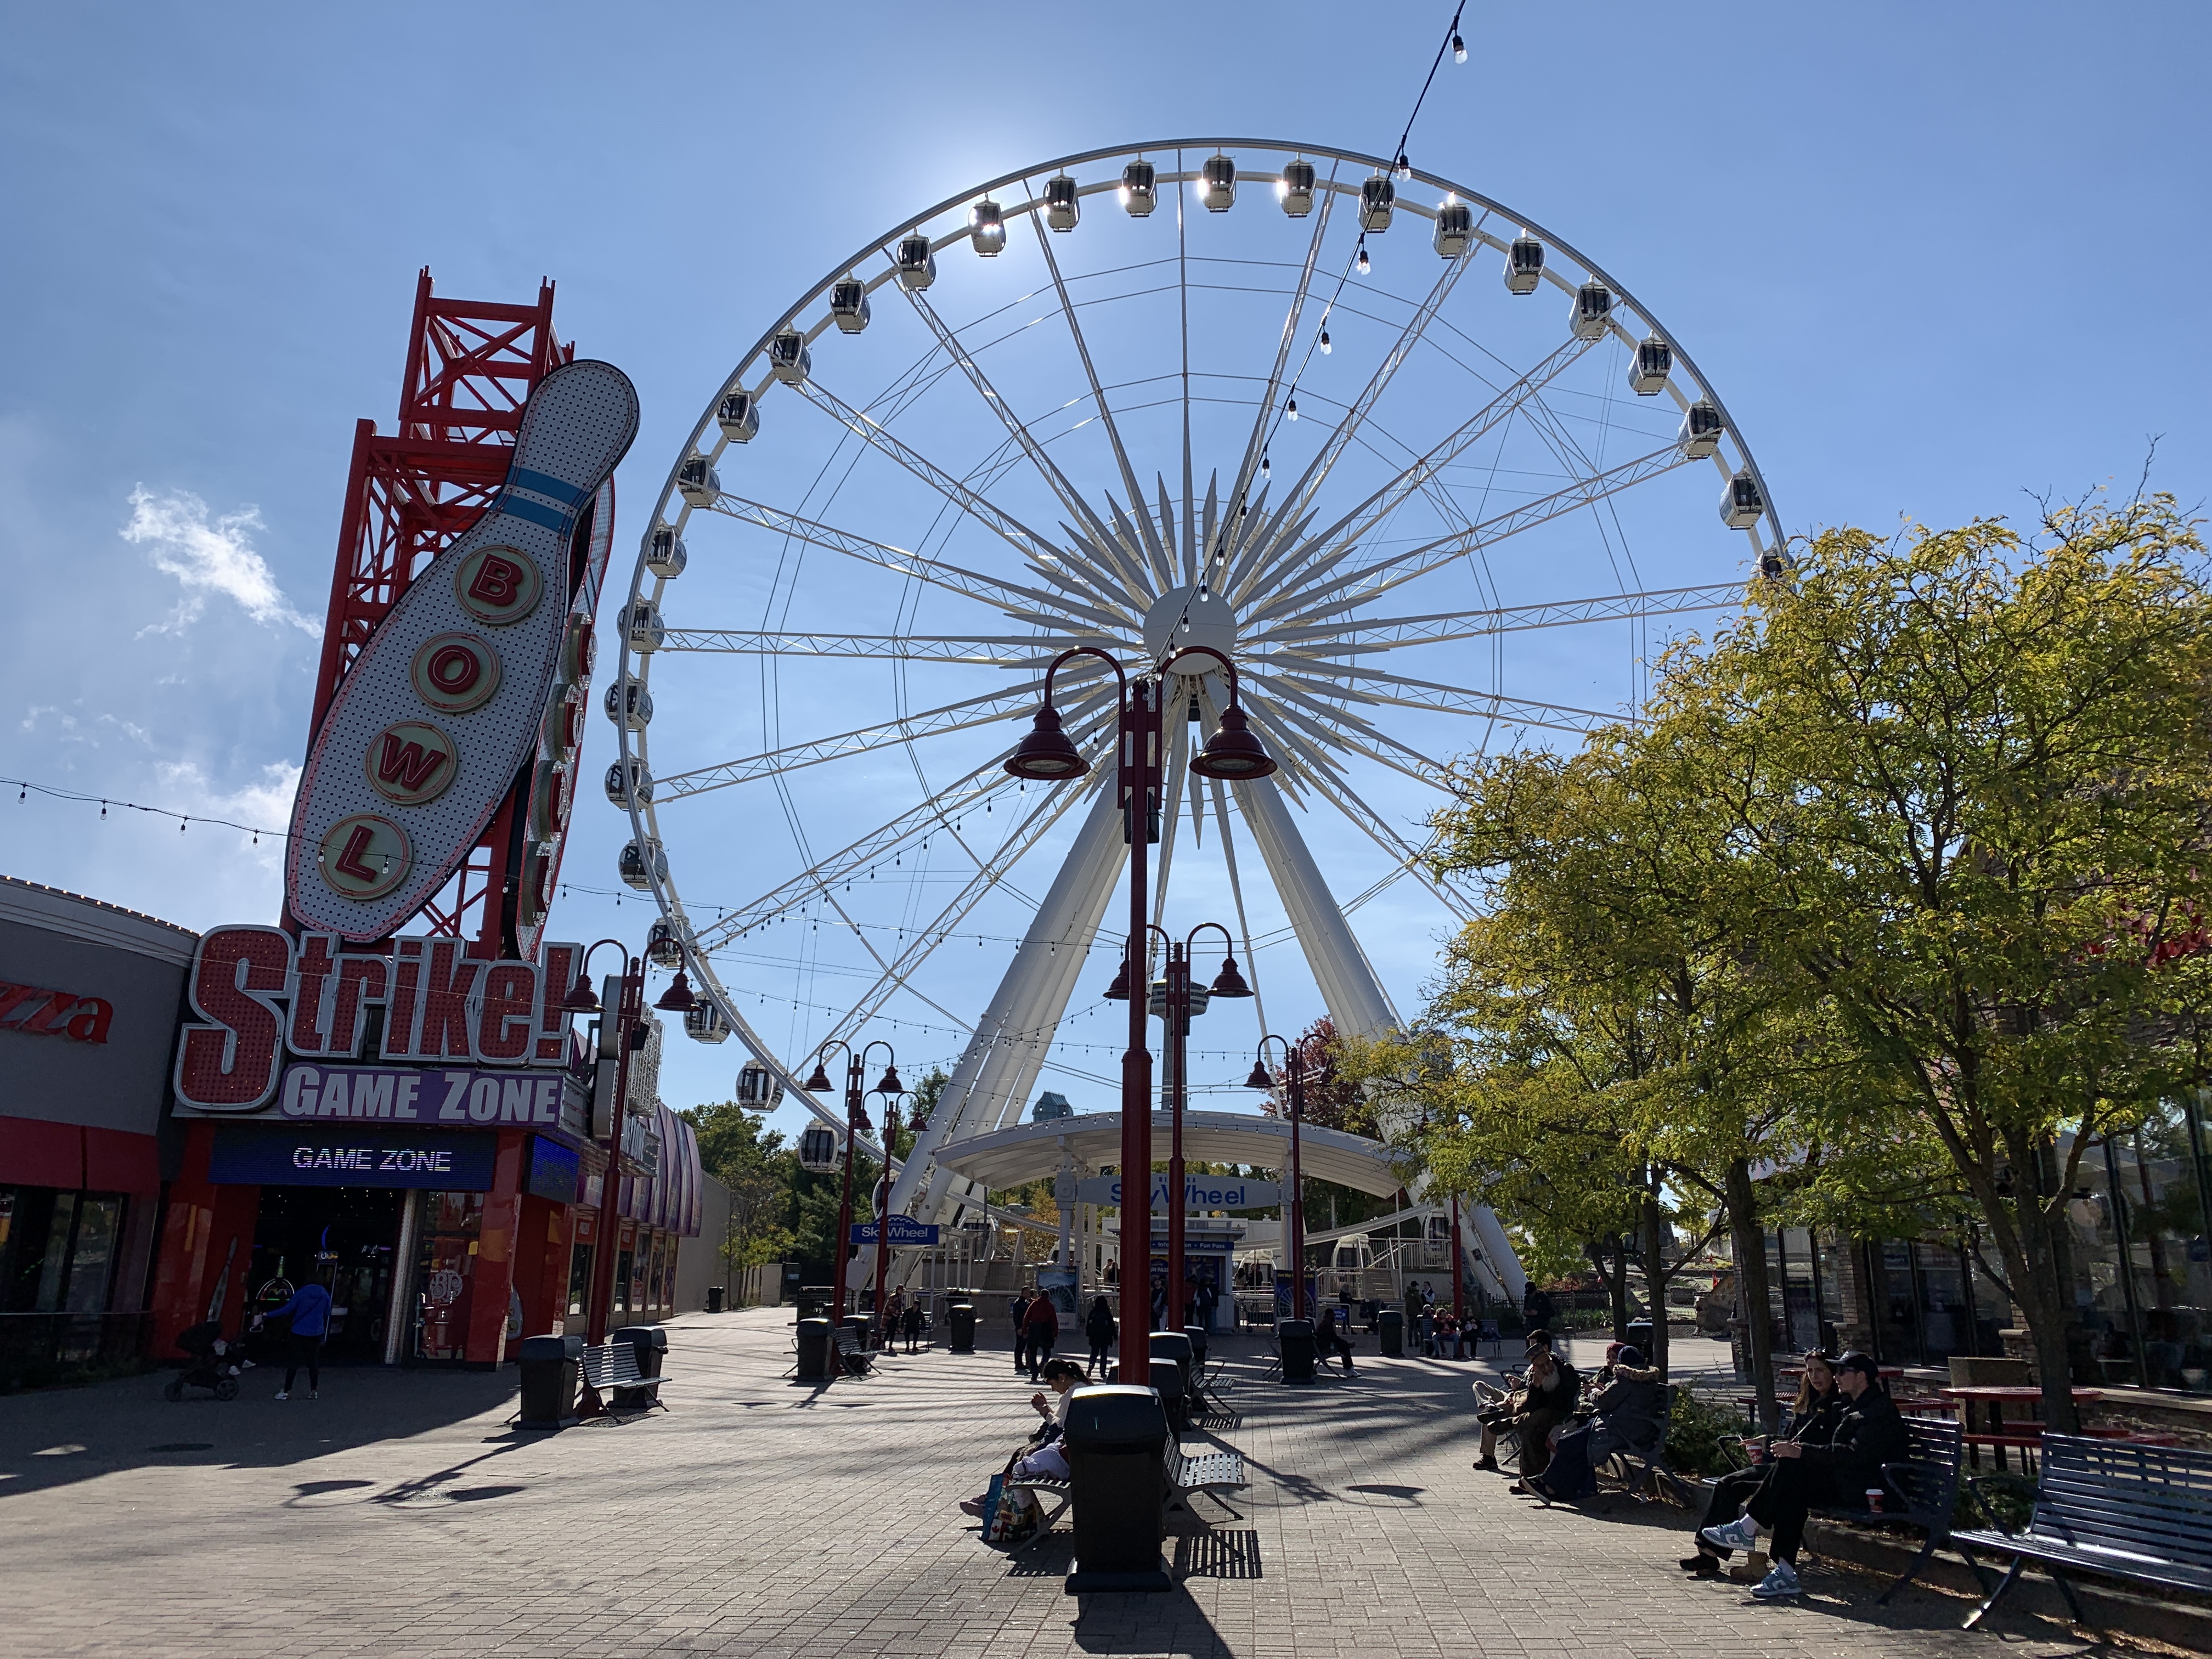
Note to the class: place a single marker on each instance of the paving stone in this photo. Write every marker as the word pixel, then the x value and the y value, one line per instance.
pixel 758 1517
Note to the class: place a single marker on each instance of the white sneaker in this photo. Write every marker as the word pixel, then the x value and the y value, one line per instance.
pixel 1781 1580
pixel 284 1393
pixel 314 1393
pixel 1740 1533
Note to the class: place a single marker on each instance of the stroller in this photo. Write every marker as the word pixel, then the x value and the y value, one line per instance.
pixel 215 1363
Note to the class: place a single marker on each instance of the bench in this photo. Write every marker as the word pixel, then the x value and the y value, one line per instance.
pixel 1209 1473
pixel 1926 1481
pixel 2138 1513
pixel 854 1358
pixel 612 1369
pixel 1637 1468
pixel 1042 1488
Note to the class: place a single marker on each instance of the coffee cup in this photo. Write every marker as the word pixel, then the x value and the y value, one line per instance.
pixel 1874 1499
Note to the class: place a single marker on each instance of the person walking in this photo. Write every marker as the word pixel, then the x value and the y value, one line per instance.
pixel 1098 1330
pixel 1042 1323
pixel 1018 1306
pixel 309 1311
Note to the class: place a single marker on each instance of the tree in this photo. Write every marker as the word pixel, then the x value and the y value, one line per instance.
pixel 1967 774
pixel 752 1162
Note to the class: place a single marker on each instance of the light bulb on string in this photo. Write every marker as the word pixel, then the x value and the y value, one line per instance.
pixel 1266 472
pixel 1363 263
pixel 1405 167
pixel 1290 410
pixel 1325 347
pixel 1459 49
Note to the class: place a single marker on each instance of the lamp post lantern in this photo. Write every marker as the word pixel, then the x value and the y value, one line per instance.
pixel 1047 755
pixel 1179 1000
pixel 626 1031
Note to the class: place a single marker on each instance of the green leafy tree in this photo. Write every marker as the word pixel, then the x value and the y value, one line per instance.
pixel 752 1162
pixel 1966 776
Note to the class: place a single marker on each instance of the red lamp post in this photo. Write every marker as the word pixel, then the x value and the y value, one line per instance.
pixel 856 1124
pixel 1048 756
pixel 629 1034
pixel 1176 1008
pixel 1294 1207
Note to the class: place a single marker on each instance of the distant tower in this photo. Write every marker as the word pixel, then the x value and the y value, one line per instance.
pixel 1048 1106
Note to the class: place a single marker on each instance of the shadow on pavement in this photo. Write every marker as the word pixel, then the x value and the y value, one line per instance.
pixel 61 1437
pixel 1170 1624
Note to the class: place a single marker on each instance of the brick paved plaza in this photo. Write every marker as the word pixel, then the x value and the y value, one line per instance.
pixel 398 1514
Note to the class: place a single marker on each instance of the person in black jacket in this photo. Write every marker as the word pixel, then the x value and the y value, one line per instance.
pixel 1628 1414
pixel 1098 1330
pixel 1869 1432
pixel 1813 1418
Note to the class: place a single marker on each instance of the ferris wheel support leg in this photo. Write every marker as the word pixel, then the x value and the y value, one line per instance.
pixel 1353 995
pixel 994 1073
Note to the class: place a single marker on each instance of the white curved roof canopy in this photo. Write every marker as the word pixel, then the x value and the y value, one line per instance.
pixel 1032 1152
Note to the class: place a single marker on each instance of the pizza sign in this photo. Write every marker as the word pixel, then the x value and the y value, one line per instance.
pixel 448 700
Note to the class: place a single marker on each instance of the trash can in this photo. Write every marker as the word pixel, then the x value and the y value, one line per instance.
pixel 1295 1338
pixel 714 1298
pixel 650 1343
pixel 859 1325
pixel 551 1368
pixel 960 1327
pixel 813 1350
pixel 1115 1437
pixel 1391 1323
pixel 1170 1373
pixel 1639 1338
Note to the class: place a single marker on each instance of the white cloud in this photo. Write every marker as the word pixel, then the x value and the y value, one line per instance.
pixel 265 804
pixel 209 555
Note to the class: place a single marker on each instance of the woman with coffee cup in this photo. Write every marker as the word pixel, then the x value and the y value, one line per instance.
pixel 1812 1417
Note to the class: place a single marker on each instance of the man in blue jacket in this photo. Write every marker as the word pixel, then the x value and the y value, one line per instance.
pixel 309 1310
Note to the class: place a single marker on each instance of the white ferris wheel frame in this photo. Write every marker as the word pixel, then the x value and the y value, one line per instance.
pixel 995 1074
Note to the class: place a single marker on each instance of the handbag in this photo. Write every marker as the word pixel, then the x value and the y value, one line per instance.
pixel 1009 1516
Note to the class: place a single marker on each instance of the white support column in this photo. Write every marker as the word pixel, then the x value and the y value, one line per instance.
pixel 1349 989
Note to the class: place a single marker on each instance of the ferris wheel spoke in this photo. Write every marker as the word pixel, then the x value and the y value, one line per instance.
pixel 1407 857
pixel 1090 373
pixel 1255 445
pixel 1017 428
pixel 982 651
pixel 1040 554
pixel 967 712
pixel 1349 988
pixel 1393 633
pixel 1364 519
pixel 1330 723
pixel 1437 698
pixel 1014 598
pixel 1317 470
pixel 1359 585
pixel 1237 897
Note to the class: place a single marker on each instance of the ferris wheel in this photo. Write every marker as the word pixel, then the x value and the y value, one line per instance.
pixel 1425 472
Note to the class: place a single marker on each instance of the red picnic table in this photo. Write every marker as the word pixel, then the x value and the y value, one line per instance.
pixel 2025 1433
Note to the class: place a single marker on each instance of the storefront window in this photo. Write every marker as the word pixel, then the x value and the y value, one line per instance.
pixel 56 1249
pixel 445 1270
pixel 2145 1277
pixel 580 1279
pixel 623 1262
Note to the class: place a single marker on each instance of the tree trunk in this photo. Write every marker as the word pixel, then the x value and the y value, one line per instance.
pixel 1749 1241
pixel 1655 1280
pixel 1616 1282
pixel 2045 1302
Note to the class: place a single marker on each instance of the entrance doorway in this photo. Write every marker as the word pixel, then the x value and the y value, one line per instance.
pixel 351 1233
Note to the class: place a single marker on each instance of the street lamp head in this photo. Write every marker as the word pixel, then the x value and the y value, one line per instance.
pixel 1259 1080
pixel 1119 990
pixel 891 1083
pixel 677 998
pixel 819 1082
pixel 1045 754
pixel 1232 752
pixel 579 999
pixel 1229 982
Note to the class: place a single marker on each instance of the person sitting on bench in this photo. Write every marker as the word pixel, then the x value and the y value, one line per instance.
pixel 1624 1416
pixel 1812 1417
pixel 1869 1432
pixel 1046 1457
pixel 1329 1337
pixel 1540 1405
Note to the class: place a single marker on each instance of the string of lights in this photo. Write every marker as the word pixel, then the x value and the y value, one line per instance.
pixel 25 789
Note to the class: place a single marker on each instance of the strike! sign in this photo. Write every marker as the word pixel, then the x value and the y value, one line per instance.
pixel 449 700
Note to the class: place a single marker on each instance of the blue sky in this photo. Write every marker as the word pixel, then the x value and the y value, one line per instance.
pixel 1937 258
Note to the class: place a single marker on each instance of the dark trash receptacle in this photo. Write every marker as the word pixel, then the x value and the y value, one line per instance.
pixel 650 1344
pixel 1171 1374
pixel 714 1298
pixel 960 1327
pixel 1295 1337
pixel 1115 1437
pixel 859 1325
pixel 813 1350
pixel 1391 1325
pixel 552 1366
pixel 1639 1338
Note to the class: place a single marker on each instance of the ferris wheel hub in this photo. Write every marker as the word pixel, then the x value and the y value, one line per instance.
pixel 1190 615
